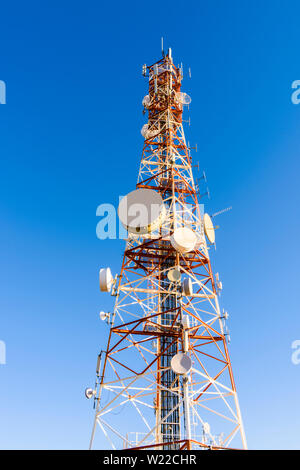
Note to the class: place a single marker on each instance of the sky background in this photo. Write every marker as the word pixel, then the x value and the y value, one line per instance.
pixel 70 140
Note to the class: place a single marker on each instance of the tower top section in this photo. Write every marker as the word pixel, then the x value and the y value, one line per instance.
pixel 164 100
pixel 163 67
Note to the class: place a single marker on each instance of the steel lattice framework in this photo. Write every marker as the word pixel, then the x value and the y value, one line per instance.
pixel 140 402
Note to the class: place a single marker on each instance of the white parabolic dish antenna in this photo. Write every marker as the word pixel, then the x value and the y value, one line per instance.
pixel 103 316
pixel 144 130
pixel 187 286
pixel 209 228
pixel 146 101
pixel 184 98
pixel 147 133
pixel 142 211
pixel 183 239
pixel 105 279
pixel 181 363
pixel 174 275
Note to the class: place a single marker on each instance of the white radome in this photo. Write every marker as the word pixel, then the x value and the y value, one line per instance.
pixel 147 133
pixel 187 287
pixel 146 101
pixel 105 279
pixel 103 315
pixel 174 275
pixel 142 211
pixel 183 239
pixel 183 98
pixel 181 364
pixel 89 393
pixel 209 228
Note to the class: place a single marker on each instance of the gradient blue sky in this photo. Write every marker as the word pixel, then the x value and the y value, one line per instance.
pixel 70 140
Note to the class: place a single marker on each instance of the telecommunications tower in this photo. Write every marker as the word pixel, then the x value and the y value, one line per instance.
pixel 165 379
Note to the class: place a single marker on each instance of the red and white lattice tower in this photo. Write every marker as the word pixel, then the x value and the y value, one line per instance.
pixel 166 305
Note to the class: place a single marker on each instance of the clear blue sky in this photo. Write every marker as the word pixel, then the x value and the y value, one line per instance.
pixel 70 140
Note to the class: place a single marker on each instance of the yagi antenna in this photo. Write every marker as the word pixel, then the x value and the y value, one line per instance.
pixel 204 176
pixel 204 194
pixel 222 211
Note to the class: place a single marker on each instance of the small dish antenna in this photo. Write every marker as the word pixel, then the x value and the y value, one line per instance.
pixel 181 364
pixel 209 228
pixel 144 130
pixel 104 316
pixel 147 133
pixel 184 98
pixel 106 280
pixel 142 211
pixel 174 275
pixel 89 393
pixel 187 287
pixel 183 239
pixel 146 102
